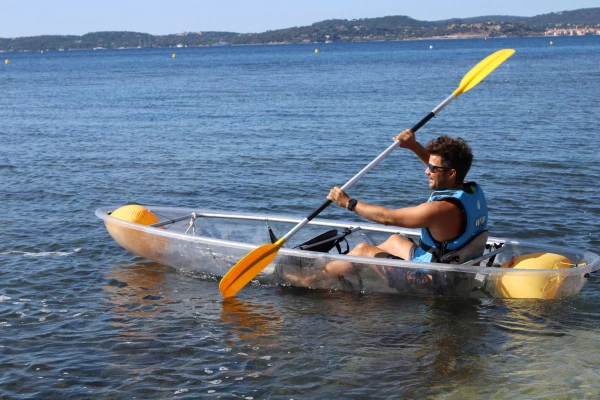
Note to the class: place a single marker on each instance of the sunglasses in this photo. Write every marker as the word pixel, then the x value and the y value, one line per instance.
pixel 435 168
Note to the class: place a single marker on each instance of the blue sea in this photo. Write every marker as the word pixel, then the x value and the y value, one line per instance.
pixel 272 129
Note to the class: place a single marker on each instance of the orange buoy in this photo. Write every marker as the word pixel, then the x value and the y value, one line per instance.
pixel 136 239
pixel 533 286
pixel 135 213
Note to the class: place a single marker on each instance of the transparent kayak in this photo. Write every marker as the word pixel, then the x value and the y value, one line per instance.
pixel 210 243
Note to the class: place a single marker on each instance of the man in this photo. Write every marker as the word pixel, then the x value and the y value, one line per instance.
pixel 454 214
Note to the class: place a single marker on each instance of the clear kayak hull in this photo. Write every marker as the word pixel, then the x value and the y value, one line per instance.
pixel 211 243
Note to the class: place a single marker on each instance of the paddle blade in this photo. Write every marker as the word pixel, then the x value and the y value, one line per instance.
pixel 248 267
pixel 483 69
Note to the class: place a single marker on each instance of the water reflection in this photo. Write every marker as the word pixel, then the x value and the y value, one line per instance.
pixel 411 346
pixel 454 344
pixel 137 292
pixel 249 322
pixel 252 332
pixel 525 319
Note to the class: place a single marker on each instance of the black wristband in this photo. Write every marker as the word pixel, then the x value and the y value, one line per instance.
pixel 352 204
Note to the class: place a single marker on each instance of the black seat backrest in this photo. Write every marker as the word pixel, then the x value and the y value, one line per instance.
pixel 321 243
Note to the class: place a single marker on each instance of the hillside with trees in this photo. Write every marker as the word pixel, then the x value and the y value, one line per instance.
pixel 577 22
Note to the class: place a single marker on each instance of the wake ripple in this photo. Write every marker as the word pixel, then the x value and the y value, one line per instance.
pixel 41 253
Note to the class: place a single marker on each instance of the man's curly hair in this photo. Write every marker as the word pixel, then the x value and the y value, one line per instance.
pixel 455 153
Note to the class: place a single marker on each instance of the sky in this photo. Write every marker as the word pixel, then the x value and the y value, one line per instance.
pixel 20 18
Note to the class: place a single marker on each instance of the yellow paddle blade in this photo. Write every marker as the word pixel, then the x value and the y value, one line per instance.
pixel 248 267
pixel 483 69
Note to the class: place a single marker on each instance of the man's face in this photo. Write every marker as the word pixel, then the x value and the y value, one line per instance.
pixel 439 177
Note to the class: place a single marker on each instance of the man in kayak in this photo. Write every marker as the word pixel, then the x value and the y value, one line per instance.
pixel 454 214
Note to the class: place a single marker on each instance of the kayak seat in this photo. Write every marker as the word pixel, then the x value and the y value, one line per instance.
pixel 471 250
pixel 326 241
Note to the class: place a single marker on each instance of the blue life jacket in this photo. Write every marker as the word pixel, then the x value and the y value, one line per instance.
pixel 474 206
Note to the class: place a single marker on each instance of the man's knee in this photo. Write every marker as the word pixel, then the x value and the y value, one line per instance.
pixel 364 249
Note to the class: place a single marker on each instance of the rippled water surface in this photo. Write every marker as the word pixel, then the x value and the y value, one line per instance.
pixel 273 128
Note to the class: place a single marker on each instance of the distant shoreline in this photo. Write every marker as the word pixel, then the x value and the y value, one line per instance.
pixel 581 22
pixel 288 44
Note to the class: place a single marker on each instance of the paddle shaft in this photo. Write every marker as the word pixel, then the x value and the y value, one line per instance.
pixel 369 167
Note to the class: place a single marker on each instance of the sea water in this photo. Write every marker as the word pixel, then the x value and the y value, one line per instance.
pixel 272 129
